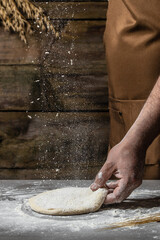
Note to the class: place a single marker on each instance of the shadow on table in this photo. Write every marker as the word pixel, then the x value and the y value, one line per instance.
pixel 150 202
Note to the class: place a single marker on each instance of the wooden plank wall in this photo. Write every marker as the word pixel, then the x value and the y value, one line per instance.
pixel 53 96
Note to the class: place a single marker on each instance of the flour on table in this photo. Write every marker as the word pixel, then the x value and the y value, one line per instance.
pixel 68 201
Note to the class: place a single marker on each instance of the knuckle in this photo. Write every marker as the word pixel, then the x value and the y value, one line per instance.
pixel 100 181
pixel 118 199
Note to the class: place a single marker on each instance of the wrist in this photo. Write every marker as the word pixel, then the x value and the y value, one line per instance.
pixel 135 140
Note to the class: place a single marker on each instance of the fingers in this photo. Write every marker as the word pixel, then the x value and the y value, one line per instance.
pixel 112 185
pixel 117 195
pixel 120 191
pixel 104 174
pixel 110 191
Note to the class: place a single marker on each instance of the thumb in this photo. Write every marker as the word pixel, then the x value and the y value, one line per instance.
pixel 103 175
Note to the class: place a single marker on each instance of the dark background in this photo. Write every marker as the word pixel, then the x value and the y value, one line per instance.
pixel 53 96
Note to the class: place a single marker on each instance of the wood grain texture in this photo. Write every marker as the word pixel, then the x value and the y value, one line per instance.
pixel 66 172
pixel 55 77
pixel 74 10
pixel 150 172
pixel 70 1
pixel 24 88
pixel 79 50
pixel 52 140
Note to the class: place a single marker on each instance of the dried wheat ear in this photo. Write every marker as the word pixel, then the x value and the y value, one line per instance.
pixel 12 18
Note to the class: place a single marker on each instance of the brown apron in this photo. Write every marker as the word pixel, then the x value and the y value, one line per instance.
pixel 132 44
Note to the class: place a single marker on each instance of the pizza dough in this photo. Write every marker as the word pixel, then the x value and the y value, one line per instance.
pixel 68 201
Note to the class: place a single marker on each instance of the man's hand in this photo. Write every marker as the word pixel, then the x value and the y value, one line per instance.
pixel 126 163
pixel 126 159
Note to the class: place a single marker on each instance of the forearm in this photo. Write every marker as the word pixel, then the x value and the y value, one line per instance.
pixel 147 125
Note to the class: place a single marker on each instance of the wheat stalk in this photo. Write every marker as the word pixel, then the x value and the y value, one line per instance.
pixel 12 18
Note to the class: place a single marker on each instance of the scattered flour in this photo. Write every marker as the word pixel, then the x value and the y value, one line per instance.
pixel 17 216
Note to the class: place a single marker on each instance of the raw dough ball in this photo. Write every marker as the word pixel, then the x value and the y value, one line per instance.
pixel 68 201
